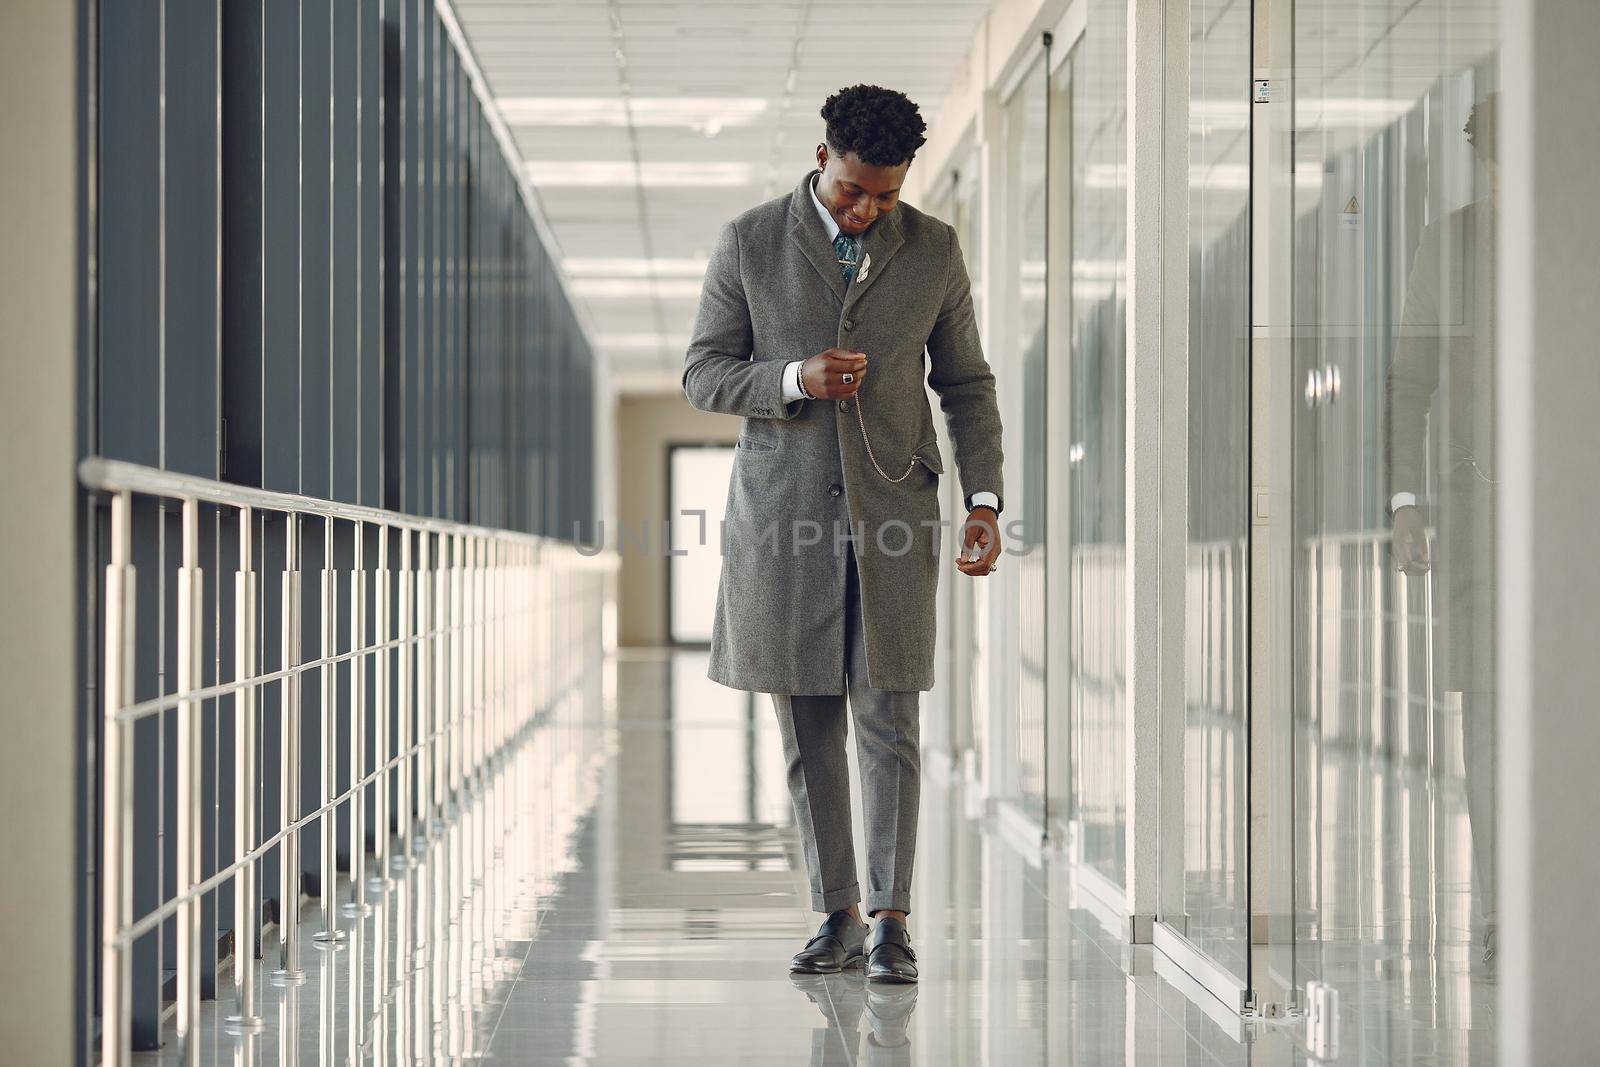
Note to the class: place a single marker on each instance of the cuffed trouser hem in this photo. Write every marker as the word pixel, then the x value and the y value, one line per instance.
pixel 897 900
pixel 835 899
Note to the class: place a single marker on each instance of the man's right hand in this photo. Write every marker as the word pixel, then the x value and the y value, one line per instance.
pixel 824 373
pixel 1409 541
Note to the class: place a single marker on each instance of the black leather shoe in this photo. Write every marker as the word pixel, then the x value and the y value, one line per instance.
pixel 890 957
pixel 837 945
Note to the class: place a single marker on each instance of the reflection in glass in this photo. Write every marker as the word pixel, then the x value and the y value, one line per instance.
pixel 1395 202
pixel 970 729
pixel 1215 875
pixel 1026 204
pixel 1096 544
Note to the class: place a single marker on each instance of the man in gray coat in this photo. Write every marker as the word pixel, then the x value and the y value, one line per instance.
pixel 823 312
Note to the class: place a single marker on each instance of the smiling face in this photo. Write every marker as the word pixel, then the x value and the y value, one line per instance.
pixel 857 193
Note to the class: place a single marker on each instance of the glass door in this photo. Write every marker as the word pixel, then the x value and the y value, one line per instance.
pixel 1215 857
pixel 1392 388
pixel 1095 541
pixel 1026 211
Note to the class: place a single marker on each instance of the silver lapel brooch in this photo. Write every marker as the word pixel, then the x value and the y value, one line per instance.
pixel 866 265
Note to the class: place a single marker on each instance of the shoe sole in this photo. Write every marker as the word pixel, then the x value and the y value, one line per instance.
pixel 850 961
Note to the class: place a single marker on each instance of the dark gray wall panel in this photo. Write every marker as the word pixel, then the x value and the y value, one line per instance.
pixel 190 249
pixel 281 391
pixel 345 355
pixel 316 247
pixel 395 249
pixel 241 242
pixel 411 383
pixel 130 233
pixel 427 398
pixel 370 251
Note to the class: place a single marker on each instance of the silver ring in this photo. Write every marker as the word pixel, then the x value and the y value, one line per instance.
pixel 847 378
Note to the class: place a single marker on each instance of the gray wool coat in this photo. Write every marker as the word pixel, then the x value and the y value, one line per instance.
pixel 802 483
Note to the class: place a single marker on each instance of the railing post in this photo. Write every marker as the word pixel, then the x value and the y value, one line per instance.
pixel 116 901
pixel 461 632
pixel 289 972
pixel 439 711
pixel 409 681
pixel 483 609
pixel 330 935
pixel 246 909
pixel 382 634
pixel 357 904
pixel 479 681
pixel 427 661
pixel 190 614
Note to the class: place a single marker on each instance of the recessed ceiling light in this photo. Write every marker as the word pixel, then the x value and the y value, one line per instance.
pixel 642 340
pixel 703 113
pixel 627 288
pixel 614 173
pixel 636 267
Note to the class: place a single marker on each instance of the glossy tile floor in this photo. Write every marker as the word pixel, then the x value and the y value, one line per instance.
pixel 633 895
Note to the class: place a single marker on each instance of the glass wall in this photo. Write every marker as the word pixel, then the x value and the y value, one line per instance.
pixel 1022 392
pixel 1395 494
pixel 1349 378
pixel 1096 705
pixel 968 728
pixel 1215 874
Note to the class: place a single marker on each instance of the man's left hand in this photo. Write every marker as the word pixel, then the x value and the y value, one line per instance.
pixel 980 542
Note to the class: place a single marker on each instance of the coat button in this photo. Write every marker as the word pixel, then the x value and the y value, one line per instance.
pixel 844 405
pixel 835 489
pixel 849 324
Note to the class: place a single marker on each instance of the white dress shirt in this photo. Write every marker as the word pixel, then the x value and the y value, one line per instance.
pixel 791 373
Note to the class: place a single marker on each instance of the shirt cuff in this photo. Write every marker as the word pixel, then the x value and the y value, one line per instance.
pixel 791 381
pixel 985 497
pixel 1401 500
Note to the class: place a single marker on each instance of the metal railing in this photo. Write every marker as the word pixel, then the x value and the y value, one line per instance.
pixel 469 632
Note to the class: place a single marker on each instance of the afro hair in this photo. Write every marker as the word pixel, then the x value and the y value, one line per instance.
pixel 882 127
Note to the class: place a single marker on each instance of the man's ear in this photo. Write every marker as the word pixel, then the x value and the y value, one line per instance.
pixel 822 156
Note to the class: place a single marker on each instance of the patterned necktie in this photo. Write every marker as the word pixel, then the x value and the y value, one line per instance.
pixel 844 249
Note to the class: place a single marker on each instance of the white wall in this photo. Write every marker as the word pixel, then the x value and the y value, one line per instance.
pixel 1550 506
pixel 38 183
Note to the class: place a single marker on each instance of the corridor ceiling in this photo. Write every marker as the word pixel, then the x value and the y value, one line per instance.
pixel 647 124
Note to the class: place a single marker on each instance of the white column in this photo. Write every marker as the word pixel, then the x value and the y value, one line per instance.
pixel 1549 436
pixel 38 712
pixel 1156 495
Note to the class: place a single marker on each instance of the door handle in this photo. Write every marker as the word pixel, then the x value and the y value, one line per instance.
pixel 1330 383
pixel 1314 388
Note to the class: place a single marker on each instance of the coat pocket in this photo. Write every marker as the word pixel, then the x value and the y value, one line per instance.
pixel 755 444
pixel 928 453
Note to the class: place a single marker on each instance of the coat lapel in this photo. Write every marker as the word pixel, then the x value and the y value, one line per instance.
pixel 806 230
pixel 882 241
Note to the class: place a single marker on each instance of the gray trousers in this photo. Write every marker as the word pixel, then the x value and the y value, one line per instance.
pixel 888 752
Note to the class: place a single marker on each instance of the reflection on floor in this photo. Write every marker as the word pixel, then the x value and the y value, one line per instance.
pixel 645 912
